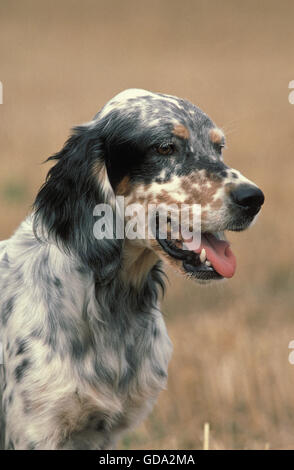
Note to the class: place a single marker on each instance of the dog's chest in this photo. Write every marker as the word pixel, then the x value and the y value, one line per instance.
pixel 126 370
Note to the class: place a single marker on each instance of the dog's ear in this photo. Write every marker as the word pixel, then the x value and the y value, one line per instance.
pixel 64 205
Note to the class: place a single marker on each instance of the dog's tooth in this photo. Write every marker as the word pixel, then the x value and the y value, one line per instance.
pixel 203 255
pixel 208 263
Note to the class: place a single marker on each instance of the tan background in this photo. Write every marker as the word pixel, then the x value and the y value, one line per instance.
pixel 60 61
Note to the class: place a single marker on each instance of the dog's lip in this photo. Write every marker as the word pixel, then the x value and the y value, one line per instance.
pixel 219 261
pixel 178 253
pixel 202 272
pixel 190 260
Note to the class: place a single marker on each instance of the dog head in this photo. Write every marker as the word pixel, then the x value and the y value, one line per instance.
pixel 152 150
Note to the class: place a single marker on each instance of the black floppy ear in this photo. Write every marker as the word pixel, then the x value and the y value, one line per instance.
pixel 65 203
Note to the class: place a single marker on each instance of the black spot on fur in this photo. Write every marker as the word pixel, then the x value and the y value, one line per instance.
pixel 5 259
pixel 155 331
pixel 158 371
pixel 125 378
pixel 101 425
pixel 10 398
pixel 21 369
pixel 21 346
pixel 4 404
pixel 27 403
pixel 6 310
pixel 31 445
pixel 79 346
pixel 57 282
pixel 10 445
pixel 95 421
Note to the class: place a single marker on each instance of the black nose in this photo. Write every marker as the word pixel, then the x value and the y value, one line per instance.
pixel 249 197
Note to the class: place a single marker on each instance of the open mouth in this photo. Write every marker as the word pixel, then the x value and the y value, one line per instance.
pixel 213 259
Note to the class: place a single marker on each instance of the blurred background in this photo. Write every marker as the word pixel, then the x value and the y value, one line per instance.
pixel 60 61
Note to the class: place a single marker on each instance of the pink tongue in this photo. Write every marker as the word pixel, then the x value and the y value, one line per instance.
pixel 219 253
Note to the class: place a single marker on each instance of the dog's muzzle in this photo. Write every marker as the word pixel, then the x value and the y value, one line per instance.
pixel 214 259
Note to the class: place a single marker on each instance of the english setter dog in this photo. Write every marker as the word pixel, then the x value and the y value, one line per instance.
pixel 85 347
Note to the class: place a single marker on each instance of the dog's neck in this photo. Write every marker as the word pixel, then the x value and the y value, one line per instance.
pixel 138 260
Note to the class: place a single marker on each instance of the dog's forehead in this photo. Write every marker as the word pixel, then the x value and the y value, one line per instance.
pixel 155 108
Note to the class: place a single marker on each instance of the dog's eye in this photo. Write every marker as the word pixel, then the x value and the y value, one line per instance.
pixel 166 149
pixel 219 147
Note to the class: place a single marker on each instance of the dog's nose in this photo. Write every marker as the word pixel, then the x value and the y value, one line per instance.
pixel 249 197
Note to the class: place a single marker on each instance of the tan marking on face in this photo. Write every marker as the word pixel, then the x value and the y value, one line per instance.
pixel 229 187
pixel 204 215
pixel 140 195
pixel 216 136
pixel 97 169
pixel 214 177
pixel 204 193
pixel 165 197
pixel 137 262
pixel 124 188
pixel 162 254
pixel 99 172
pixel 181 131
pixel 217 204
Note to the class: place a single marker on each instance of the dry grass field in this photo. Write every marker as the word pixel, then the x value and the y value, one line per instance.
pixel 62 60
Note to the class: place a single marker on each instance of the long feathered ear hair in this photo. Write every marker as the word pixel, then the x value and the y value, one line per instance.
pixel 65 203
